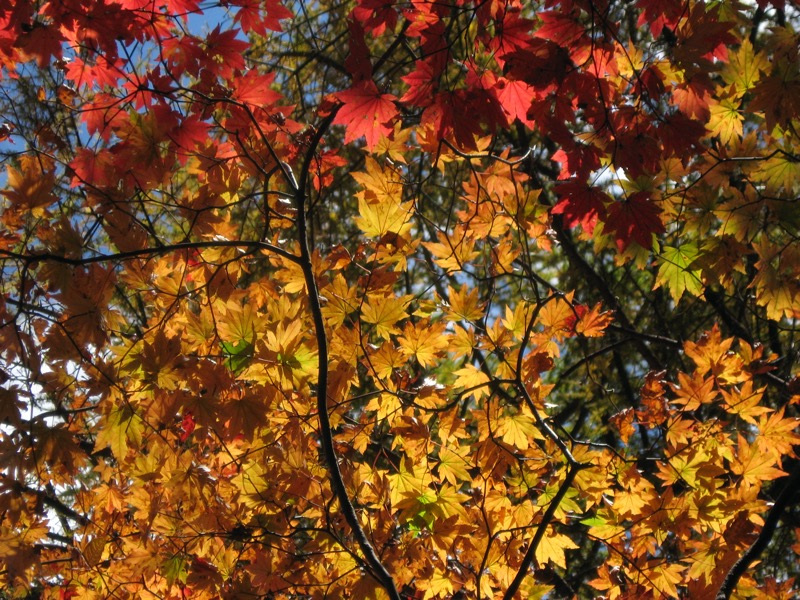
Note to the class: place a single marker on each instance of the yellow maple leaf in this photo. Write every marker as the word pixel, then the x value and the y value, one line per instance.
pixel 744 67
pixel 386 406
pixel 424 341
pixel 384 312
pixel 438 585
pixel 464 304
pixel 237 322
pixel 712 355
pixel 551 549
pixel 745 402
pixel 778 434
pixel 380 205
pixel 453 466
pixel 408 484
pixel 471 380
pixel 663 577
pixel 518 430
pixel 753 465
pixel 726 120
pixel 452 252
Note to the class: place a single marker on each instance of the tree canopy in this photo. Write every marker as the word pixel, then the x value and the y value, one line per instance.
pixel 399 300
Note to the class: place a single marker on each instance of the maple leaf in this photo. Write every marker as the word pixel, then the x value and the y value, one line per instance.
pixel 561 28
pixel 745 402
pixel 515 97
pixel 471 380
pixel 753 465
pixel 41 41
pixel 376 15
pixel 518 430
pixel 725 120
pixel 423 341
pixel 464 304
pixel 581 204
pixel 384 312
pixel 422 83
pixel 224 52
pixel 712 355
pixel 657 14
pixel 259 16
pixel 551 549
pixel 31 187
pixel 453 466
pixel 744 67
pixel 452 254
pixel 452 115
pixel 366 112
pixel 693 99
pixel 623 423
pixel 694 390
pixel 778 434
pixel 358 63
pixel 381 207
pixel 675 272
pixel 634 219
pixel 122 430
pixel 101 74
pixel 592 322
pixel 254 89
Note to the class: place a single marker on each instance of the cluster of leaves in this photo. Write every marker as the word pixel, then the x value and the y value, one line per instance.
pixel 370 299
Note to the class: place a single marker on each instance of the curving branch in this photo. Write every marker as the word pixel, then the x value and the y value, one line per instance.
pixel 547 518
pixel 373 563
pixel 574 468
pixel 752 554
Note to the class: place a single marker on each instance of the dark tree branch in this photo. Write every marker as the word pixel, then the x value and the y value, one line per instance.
pixel 785 498
pixel 253 246
pixel 601 285
pixel 373 563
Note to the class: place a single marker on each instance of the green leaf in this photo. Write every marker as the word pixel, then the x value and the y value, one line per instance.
pixel 675 272
pixel 175 569
pixel 238 354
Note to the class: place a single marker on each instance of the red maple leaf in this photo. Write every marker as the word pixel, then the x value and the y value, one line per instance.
pixel 42 42
pixel 253 89
pixel 680 136
pixel 577 160
pixel 658 13
pixel 516 98
pixel 103 73
pixel 365 111
pixel 512 34
pixel 358 62
pixel 224 52
pixel 422 81
pixel 376 15
pixel 253 18
pixel 187 426
pixel 635 219
pixel 563 29
pixel 581 204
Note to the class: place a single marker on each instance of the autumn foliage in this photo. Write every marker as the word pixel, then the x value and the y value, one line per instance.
pixel 379 300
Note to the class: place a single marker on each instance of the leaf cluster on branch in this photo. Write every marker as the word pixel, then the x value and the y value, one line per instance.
pixel 377 300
